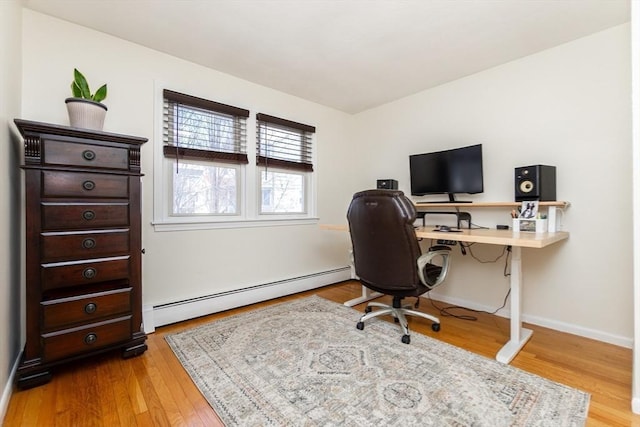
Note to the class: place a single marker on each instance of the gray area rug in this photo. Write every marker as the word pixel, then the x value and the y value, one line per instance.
pixel 304 363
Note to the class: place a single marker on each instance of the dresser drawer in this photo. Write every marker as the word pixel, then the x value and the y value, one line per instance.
pixel 67 246
pixel 56 345
pixel 67 274
pixel 64 312
pixel 69 153
pixel 80 184
pixel 58 216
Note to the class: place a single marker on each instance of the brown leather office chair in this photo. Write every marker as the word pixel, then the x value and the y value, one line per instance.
pixel 387 255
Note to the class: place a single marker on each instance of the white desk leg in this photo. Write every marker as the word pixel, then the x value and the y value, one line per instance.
pixel 367 294
pixel 352 265
pixel 519 335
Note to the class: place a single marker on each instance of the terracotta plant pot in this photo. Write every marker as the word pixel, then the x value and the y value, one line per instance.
pixel 86 114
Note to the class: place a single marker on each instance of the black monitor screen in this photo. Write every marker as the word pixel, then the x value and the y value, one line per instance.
pixel 447 172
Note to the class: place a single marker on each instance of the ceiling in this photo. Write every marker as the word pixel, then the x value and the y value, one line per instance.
pixel 350 55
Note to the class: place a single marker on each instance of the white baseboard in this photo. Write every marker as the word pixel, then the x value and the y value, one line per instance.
pixel 8 389
pixel 179 311
pixel 544 322
pixel 148 319
pixel 635 405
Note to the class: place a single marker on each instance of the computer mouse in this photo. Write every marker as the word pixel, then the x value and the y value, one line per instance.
pixel 444 228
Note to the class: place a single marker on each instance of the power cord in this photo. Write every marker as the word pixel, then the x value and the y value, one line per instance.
pixel 505 250
pixel 447 311
pixel 478 227
pixel 507 263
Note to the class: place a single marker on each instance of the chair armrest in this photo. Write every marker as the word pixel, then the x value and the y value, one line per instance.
pixel 426 258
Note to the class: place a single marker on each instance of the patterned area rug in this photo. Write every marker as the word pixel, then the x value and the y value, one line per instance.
pixel 304 363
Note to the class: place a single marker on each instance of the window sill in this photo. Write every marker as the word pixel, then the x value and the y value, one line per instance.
pixel 209 225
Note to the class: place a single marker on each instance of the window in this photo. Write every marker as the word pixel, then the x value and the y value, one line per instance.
pixel 201 188
pixel 207 141
pixel 282 192
pixel 204 180
pixel 284 157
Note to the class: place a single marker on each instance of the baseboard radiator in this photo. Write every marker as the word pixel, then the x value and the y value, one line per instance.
pixel 178 311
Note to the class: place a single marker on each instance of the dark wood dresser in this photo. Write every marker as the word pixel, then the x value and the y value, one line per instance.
pixel 83 247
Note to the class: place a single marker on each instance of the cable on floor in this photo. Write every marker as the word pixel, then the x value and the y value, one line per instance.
pixel 447 311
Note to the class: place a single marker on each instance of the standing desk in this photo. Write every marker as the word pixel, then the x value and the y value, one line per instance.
pixel 519 335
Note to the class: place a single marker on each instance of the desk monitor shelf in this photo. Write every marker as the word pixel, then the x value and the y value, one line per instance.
pixel 425 208
pixel 559 204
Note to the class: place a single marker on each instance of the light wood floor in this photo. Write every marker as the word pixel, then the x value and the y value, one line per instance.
pixel 154 390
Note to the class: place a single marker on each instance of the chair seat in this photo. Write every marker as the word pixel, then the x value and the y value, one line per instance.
pixel 431 274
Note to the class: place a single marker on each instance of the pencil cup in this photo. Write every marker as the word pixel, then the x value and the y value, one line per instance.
pixel 530 225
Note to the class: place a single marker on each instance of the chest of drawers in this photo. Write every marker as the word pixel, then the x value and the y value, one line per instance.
pixel 82 248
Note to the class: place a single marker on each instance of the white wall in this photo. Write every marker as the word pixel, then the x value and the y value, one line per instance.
pixel 635 83
pixel 568 106
pixel 10 302
pixel 188 264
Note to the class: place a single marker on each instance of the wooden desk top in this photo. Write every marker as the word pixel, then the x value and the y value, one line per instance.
pixel 488 236
pixel 496 237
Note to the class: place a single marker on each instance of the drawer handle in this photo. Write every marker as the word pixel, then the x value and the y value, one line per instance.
pixel 90 339
pixel 89 273
pixel 90 308
pixel 88 215
pixel 88 155
pixel 89 243
pixel 88 185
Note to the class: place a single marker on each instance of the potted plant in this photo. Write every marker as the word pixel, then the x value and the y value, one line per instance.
pixel 85 109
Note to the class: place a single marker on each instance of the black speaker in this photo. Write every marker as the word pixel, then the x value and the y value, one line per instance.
pixel 387 184
pixel 536 182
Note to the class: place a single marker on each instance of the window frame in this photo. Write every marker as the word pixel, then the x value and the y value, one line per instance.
pixel 198 131
pixel 306 205
pixel 214 216
pixel 249 188
pixel 271 131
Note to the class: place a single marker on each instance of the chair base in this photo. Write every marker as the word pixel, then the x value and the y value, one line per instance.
pixel 399 313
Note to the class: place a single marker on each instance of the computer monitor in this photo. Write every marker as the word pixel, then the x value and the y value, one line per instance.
pixel 450 172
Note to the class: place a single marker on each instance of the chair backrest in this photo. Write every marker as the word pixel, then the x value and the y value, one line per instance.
pixel 385 246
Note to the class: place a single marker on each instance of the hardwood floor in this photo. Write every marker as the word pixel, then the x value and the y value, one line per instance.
pixel 154 390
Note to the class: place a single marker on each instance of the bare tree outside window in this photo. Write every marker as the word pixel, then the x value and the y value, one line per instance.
pixel 204 189
pixel 201 129
pixel 282 192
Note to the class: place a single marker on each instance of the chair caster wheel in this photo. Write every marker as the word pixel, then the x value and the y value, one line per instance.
pixel 435 327
pixel 406 339
pixel 360 325
pixel 368 310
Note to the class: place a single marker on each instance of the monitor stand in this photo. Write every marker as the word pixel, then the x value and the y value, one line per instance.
pixel 452 199
pixel 460 216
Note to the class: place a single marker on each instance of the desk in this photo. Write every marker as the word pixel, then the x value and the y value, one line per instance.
pixel 519 335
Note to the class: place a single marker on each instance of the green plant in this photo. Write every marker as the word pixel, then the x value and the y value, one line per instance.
pixel 80 88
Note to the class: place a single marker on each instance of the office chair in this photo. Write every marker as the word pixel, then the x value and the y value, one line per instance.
pixel 387 256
